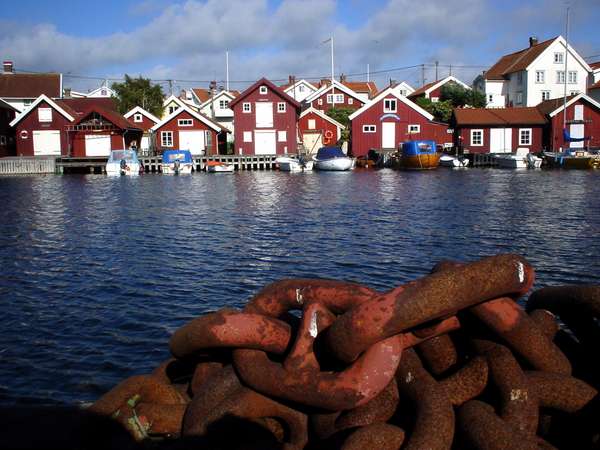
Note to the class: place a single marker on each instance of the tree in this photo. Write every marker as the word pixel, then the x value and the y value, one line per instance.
pixel 441 110
pixel 341 115
pixel 460 96
pixel 139 92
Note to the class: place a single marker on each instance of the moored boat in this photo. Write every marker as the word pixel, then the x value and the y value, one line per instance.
pixel 572 159
pixel 291 164
pixel 177 162
pixel 333 159
pixel 219 167
pixel 123 162
pixel 419 155
pixel 453 161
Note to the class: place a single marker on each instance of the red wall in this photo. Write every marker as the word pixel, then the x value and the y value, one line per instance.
pixel 145 124
pixel 363 142
pixel 356 103
pixel 31 123
pixel 591 116
pixel 285 121
pixel 171 125
pixel 116 140
pixel 465 134
pixel 321 125
pixel 6 117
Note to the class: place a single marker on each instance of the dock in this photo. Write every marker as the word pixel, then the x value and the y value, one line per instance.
pixel 481 160
pixel 26 165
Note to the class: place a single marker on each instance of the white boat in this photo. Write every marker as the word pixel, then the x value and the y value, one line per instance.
pixel 533 162
pixel 177 162
pixel 333 159
pixel 123 162
pixel 513 161
pixel 453 161
pixel 289 164
pixel 219 167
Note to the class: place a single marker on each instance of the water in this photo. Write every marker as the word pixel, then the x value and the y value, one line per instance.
pixel 97 272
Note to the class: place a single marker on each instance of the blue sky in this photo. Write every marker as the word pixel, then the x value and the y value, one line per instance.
pixel 186 41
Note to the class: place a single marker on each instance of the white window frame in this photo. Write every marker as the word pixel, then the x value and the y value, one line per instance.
pixel 558 58
pixel 519 98
pixel 545 95
pixel 481 135
pixel 185 122
pixel 312 124
pixel 414 128
pixel 390 105
pixel 247 136
pixel 208 141
pixel 138 117
pixel 573 92
pixel 330 99
pixel 223 104
pixel 281 108
pixel 435 99
pixel 560 77
pixel 173 108
pixel 301 88
pixel 529 136
pixel 263 90
pixel 320 102
pixel 282 136
pixel 44 115
pixel 369 128
pixel 403 92
pixel 540 76
pixel 572 77
pixel 339 98
pixel 247 107
pixel 350 101
pixel 166 139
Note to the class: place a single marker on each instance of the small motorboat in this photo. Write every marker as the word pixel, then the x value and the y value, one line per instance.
pixel 123 162
pixel 453 161
pixel 333 159
pixel 177 162
pixel 517 160
pixel 291 164
pixel 419 155
pixel 219 167
pixel 533 161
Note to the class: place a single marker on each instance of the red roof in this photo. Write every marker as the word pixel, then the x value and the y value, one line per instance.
pixel 29 85
pixel 271 86
pixel 596 85
pixel 498 116
pixel 202 94
pixel 113 116
pixel 360 87
pixel 83 104
pixel 422 89
pixel 595 65
pixel 517 61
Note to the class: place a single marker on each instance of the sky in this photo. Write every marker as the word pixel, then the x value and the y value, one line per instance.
pixel 186 41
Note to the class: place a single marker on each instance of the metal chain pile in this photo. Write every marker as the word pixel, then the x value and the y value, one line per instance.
pixel 447 361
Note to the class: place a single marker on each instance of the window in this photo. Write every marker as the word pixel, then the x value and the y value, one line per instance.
pixel 208 138
pixel 545 95
pixel 573 92
pixel 350 101
pixel 2 140
pixel 247 136
pixel 282 136
pixel 519 98
pixel 435 99
pixel 301 88
pixel 403 92
pixel 369 128
pixel 540 76
pixel 477 138
pixel 520 77
pixel 415 128
pixel 281 107
pixel 45 114
pixel 185 122
pixel 103 92
pixel 263 90
pixel 172 109
pixel 525 136
pixel 490 98
pixel 246 107
pixel 27 102
pixel 560 77
pixel 137 118
pixel 320 101
pixel 166 138
pixel 558 58
pixel 312 124
pixel 389 105
pixel 329 98
pixel 223 104
pixel 339 98
pixel 572 76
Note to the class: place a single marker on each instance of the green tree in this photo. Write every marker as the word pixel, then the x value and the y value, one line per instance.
pixel 139 92
pixel 441 110
pixel 460 96
pixel 341 115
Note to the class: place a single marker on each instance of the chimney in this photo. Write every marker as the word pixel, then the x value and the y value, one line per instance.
pixel 8 67
pixel 342 78
pixel 325 81
pixel 533 40
pixel 67 93
pixel 291 79
pixel 392 82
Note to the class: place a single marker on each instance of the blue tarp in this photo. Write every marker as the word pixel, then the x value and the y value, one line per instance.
pixel 413 148
pixel 330 153
pixel 183 156
pixel 568 137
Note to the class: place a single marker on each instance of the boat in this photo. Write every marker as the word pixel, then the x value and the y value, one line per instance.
pixel 533 161
pixel 177 162
pixel 333 159
pixel 419 155
pixel 516 160
pixel 219 167
pixel 292 164
pixel 572 159
pixel 453 161
pixel 123 162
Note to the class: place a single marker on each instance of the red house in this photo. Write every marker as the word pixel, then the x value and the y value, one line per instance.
pixel 582 121
pixel 266 120
pixel 390 119
pixel 339 96
pixel 7 134
pixel 185 129
pixel 146 121
pixel 498 130
pixel 317 129
pixel 433 90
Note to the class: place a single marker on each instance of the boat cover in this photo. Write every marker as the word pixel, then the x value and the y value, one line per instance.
pixel 330 153
pixel 413 148
pixel 183 156
pixel 127 155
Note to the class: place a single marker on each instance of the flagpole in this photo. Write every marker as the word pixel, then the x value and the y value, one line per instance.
pixel 227 68
pixel 566 73
pixel 332 77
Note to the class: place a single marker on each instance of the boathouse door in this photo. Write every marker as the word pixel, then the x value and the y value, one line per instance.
pixel 500 140
pixel 192 141
pixel 388 134
pixel 312 142
pixel 46 142
pixel 97 145
pixel 264 142
pixel 577 130
pixel 264 115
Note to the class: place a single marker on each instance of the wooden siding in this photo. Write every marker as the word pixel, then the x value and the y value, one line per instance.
pixel 356 103
pixel 145 124
pixel 463 138
pixel 8 147
pixel 30 123
pixel 173 126
pixel 553 139
pixel 77 139
pixel 321 126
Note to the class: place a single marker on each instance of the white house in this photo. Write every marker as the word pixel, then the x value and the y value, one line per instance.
pixel 534 74
pixel 299 90
pixel 403 88
pixel 433 90
pixel 20 90
pixel 100 92
pixel 217 108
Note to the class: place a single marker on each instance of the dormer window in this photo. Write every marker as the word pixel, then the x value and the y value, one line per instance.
pixel 263 90
pixel 301 88
pixel 172 109
pixel 223 104
pixel 137 118
pixel 389 105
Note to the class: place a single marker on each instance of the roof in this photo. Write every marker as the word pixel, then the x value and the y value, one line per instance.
pixel 498 116
pixel 517 61
pixel 390 91
pixel 596 85
pixel 113 116
pixel 426 89
pixel 595 65
pixel 231 94
pixel 82 104
pixel 323 116
pixel 30 85
pixel 67 112
pixel 269 84
pixel 286 87
pixel 336 84
pixel 201 117
pixel 142 111
pixel 6 105
pixel 202 94
pixel 367 87
pixel 553 106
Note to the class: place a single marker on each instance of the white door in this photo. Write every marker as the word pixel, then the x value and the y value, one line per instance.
pixel 264 115
pixel 500 140
pixel 265 143
pixel 388 135
pixel 97 145
pixel 145 143
pixel 576 130
pixel 192 141
pixel 312 142
pixel 46 143
pixel 578 115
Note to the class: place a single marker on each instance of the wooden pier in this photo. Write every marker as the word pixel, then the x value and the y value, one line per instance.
pixel 153 164
pixel 481 160
pixel 26 165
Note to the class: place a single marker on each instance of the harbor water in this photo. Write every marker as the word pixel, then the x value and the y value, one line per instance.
pixel 97 272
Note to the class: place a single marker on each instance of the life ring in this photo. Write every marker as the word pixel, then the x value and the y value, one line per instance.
pixel 328 134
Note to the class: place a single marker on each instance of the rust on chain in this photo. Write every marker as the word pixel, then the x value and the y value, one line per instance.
pixel 203 372
pixel 519 331
pixel 434 423
pixel 435 296
pixel 230 329
pixel 380 436
pixel 563 299
pixel 467 382
pixel 545 321
pixel 161 419
pixel 438 353
pixel 519 406
pixel 560 392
